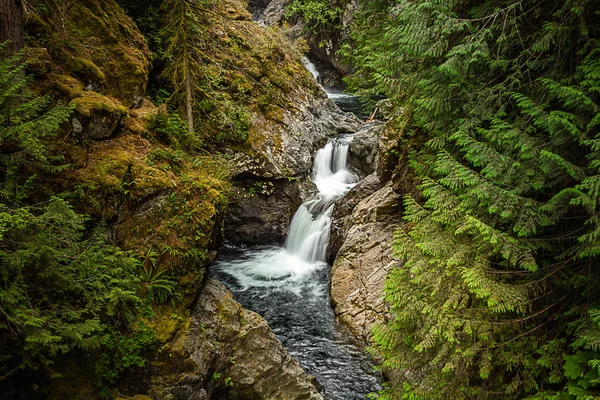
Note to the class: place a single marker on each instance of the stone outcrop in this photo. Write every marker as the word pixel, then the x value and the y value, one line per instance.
pixel 341 219
pixel 363 261
pixel 260 211
pixel 286 150
pixel 228 352
pixel 272 174
pixel 270 12
pixel 363 150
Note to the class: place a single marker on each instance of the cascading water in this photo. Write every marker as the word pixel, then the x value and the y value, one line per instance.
pixel 289 286
pixel 346 102
pixel 309 231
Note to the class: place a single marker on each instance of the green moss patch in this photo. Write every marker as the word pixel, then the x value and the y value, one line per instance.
pixel 90 102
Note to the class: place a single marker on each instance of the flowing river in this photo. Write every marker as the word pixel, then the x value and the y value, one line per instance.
pixel 289 286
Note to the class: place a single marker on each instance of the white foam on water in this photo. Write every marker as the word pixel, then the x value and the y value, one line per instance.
pixel 291 268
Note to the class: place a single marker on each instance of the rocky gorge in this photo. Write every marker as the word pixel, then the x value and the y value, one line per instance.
pixel 156 201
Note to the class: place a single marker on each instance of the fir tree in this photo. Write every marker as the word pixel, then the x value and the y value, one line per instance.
pixel 184 51
pixel 496 296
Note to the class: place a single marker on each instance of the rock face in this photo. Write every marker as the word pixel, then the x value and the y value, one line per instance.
pixel 230 353
pixel 272 175
pixel 271 12
pixel 365 257
pixel 363 150
pixel 341 219
pixel 260 211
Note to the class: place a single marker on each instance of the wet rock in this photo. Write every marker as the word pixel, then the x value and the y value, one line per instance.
pixel 260 211
pixel 363 261
pixel 363 150
pixel 341 218
pixel 231 354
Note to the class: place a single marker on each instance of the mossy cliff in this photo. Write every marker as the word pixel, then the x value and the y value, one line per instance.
pixel 156 199
pixel 159 200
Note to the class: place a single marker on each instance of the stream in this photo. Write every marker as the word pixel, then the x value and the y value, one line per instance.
pixel 289 285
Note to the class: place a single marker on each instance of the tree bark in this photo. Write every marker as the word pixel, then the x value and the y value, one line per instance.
pixel 11 24
pixel 189 100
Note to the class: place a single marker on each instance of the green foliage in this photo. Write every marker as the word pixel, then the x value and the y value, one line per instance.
pixel 319 15
pixel 27 124
pixel 495 298
pixel 61 291
pixel 171 130
pixel 155 284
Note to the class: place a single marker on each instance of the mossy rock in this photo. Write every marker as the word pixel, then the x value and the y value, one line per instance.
pixel 96 116
pixel 37 61
pixel 84 69
pixel 66 86
pixel 94 41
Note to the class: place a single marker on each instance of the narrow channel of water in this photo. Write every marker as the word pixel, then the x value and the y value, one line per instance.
pixel 289 286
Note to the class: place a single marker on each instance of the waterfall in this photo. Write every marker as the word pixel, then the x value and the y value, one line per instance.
pixel 289 286
pixel 304 252
pixel 309 231
pixel 311 68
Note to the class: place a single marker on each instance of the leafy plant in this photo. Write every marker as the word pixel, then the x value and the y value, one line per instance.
pixel 319 15
pixel 501 245
pixel 155 284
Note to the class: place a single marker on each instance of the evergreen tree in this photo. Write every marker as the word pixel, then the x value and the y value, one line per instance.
pixel 26 125
pixel 497 296
pixel 184 51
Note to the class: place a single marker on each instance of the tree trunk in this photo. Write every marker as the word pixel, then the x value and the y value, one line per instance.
pixel 11 24
pixel 189 100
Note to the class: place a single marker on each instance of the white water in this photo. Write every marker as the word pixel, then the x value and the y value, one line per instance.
pixel 290 268
pixel 311 68
pixel 289 286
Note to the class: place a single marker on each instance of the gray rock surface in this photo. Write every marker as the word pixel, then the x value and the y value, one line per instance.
pixel 362 153
pixel 260 211
pixel 233 354
pixel 272 12
pixel 287 150
pixel 282 156
pixel 341 218
pixel 363 261
pixel 99 125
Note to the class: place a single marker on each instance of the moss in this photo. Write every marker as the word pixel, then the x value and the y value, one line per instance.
pixel 167 321
pixel 275 114
pixel 95 42
pixel 66 85
pixel 91 102
pixel 83 69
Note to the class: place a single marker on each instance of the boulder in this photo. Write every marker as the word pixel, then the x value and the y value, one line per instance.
pixel 341 218
pixel 228 352
pixel 363 150
pixel 260 211
pixel 363 261
pixel 96 116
